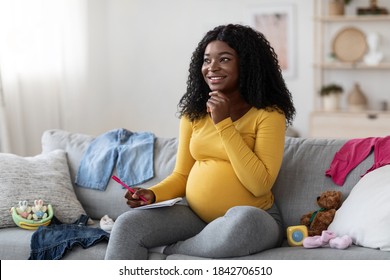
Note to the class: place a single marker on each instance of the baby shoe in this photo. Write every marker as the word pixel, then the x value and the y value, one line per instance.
pixel 106 223
pixel 318 240
pixel 342 242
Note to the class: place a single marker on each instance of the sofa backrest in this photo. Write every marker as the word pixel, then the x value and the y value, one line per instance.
pixel 302 176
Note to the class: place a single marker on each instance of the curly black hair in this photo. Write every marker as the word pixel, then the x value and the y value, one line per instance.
pixel 260 78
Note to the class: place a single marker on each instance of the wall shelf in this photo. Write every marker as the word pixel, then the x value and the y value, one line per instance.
pixel 353 66
pixel 375 119
pixel 353 18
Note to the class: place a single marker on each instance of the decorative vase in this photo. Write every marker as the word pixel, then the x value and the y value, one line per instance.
pixel 357 101
pixel 373 56
pixel 331 102
pixel 336 7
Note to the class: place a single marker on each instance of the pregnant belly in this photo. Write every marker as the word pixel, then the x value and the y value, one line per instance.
pixel 213 188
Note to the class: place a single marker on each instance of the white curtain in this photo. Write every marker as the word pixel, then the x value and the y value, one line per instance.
pixel 42 63
pixel 4 137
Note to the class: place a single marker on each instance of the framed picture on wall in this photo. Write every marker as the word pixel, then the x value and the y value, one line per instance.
pixel 276 22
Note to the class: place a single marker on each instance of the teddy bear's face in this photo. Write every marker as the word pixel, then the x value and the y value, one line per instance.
pixel 330 200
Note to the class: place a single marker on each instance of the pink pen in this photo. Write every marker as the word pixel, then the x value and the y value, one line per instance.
pixel 127 187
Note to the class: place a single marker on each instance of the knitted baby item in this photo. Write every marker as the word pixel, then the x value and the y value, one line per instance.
pixel 318 240
pixel 327 238
pixel 106 223
pixel 341 242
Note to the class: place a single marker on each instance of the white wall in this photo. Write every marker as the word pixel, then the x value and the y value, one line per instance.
pixel 139 52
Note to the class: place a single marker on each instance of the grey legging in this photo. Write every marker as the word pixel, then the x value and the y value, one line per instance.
pixel 243 230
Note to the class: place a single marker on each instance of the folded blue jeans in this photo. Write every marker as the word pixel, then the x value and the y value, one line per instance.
pixel 53 241
pixel 130 152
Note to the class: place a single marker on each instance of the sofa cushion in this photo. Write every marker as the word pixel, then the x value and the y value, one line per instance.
pixel 365 214
pixel 110 202
pixel 45 177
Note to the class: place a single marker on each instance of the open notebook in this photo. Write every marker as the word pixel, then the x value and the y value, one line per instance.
pixel 165 203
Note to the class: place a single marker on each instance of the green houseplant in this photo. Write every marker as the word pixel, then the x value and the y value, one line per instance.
pixel 331 89
pixel 331 96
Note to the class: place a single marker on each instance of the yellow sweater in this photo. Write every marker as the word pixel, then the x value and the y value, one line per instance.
pixel 227 164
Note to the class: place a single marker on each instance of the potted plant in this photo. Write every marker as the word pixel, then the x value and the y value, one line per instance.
pixel 331 96
pixel 336 7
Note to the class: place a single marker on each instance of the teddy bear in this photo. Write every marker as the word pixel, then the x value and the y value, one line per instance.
pixel 318 221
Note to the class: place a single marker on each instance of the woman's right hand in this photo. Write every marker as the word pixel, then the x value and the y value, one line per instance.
pixel 218 105
pixel 134 200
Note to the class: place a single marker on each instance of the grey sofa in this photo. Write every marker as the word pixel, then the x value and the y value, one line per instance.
pixel 301 179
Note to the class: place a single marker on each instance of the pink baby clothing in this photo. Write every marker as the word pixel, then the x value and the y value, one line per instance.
pixel 381 153
pixel 318 240
pixel 354 152
pixel 327 238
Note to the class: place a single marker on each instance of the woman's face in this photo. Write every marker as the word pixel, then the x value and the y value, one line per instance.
pixel 220 67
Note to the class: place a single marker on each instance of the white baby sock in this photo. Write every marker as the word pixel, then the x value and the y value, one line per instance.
pixel 106 223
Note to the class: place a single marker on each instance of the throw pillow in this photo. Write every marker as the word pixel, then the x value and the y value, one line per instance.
pixel 46 177
pixel 365 214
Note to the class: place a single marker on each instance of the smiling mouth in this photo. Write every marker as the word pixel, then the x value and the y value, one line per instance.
pixel 216 78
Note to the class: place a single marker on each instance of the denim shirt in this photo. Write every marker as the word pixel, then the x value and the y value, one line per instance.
pixel 53 241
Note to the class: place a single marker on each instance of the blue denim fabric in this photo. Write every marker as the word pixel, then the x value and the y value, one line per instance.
pixel 132 153
pixel 52 242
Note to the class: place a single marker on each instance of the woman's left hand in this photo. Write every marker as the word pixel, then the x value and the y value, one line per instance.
pixel 218 106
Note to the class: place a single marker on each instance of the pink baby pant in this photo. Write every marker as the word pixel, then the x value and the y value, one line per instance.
pixel 354 152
